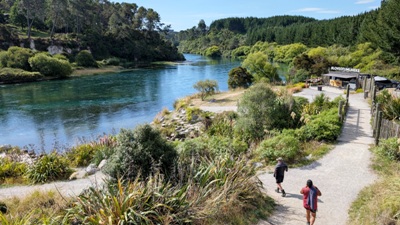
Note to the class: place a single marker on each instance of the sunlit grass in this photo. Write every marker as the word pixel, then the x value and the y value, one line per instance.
pixel 379 203
pixel 34 208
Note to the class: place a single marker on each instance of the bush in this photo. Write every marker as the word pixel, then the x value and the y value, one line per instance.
pixel 49 66
pixel 154 201
pixel 17 57
pixel 81 155
pixel 389 149
pixel 192 114
pixel 324 126
pixel 222 124
pixel 9 75
pixel 11 169
pixel 138 152
pixel 212 147
pixel 239 77
pixel 3 58
pixel 261 110
pixel 112 61
pixel 283 145
pixel 206 88
pixel 213 51
pixel 50 167
pixel 84 58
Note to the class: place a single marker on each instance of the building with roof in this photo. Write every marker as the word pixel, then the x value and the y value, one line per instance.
pixel 340 77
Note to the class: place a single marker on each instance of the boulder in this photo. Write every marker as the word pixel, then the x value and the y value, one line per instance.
pixel 91 169
pixel 102 164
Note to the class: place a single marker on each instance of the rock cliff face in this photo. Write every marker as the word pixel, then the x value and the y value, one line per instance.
pixel 7 39
pixel 176 126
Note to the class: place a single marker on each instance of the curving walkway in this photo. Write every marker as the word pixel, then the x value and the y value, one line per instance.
pixel 340 175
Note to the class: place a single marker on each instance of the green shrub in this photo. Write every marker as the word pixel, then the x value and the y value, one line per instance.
pixel 49 66
pixel 324 126
pixel 283 145
pixel 17 57
pixel 260 109
pixel 3 59
pixel 102 152
pixel 84 58
pixel 18 75
pixel 154 201
pixel 192 113
pixel 112 61
pixel 239 77
pixel 206 88
pixel 81 155
pixel 195 153
pixel 213 51
pixel 222 124
pixel 182 103
pixel 11 169
pixel 389 149
pixel 61 57
pixel 138 152
pixel 50 167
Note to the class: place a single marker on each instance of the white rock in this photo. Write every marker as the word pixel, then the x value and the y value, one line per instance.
pixel 102 164
pixel 91 169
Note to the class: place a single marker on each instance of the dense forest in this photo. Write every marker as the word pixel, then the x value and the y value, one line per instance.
pixel 122 30
pixel 375 33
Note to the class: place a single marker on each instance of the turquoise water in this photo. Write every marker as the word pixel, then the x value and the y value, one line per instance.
pixel 62 113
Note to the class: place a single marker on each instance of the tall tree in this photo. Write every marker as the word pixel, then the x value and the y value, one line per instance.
pixel 389 21
pixel 56 13
pixel 257 64
pixel 202 26
pixel 32 9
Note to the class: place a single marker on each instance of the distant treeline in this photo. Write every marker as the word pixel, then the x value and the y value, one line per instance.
pixel 381 27
pixel 107 29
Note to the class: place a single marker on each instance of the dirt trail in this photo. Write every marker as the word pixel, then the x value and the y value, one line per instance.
pixel 65 188
pixel 340 175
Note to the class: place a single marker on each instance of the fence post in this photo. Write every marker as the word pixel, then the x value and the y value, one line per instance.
pixel 374 124
pixel 347 94
pixel 374 93
pixel 340 111
pixel 364 84
pixel 378 131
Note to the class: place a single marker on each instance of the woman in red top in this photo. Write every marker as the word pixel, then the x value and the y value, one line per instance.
pixel 310 200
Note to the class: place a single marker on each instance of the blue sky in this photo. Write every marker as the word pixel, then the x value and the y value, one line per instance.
pixel 182 15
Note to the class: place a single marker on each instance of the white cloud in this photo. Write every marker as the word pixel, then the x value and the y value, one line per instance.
pixel 308 10
pixel 364 1
pixel 317 10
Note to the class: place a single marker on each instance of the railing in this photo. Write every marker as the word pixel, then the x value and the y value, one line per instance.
pixel 382 128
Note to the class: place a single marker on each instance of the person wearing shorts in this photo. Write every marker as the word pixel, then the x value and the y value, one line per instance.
pixel 310 201
pixel 279 174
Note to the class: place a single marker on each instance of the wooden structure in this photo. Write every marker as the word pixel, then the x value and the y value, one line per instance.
pixel 341 77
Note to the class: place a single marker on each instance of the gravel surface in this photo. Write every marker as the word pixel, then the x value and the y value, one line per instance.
pixel 340 175
pixel 65 188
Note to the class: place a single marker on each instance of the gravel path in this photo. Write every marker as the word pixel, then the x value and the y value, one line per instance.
pixel 66 188
pixel 340 175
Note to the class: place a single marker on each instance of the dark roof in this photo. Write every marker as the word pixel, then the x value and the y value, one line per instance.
pixel 354 75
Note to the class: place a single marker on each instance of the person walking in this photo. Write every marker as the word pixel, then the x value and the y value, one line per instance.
pixel 279 174
pixel 310 200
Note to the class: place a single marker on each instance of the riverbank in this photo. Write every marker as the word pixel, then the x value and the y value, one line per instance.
pixel 95 71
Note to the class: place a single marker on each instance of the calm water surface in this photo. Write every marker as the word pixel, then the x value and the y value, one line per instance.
pixel 62 113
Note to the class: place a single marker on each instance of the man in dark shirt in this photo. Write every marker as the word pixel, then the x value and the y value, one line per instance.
pixel 279 174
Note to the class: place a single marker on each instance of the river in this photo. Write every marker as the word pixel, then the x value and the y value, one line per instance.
pixel 58 114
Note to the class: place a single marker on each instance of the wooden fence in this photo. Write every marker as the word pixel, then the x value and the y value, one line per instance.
pixel 382 128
